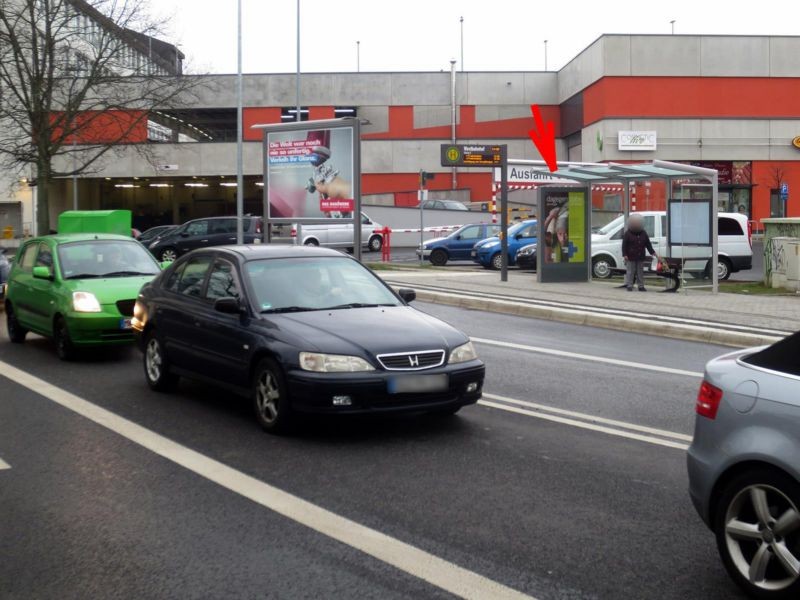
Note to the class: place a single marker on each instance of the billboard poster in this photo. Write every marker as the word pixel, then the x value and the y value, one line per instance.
pixel 564 229
pixel 309 173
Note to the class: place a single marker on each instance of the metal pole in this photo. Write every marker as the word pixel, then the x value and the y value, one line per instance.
pixel 461 20
pixel 74 177
pixel 715 232
pixel 545 55
pixel 421 219
pixel 358 57
pixel 297 83
pixel 453 116
pixel 672 23
pixel 239 130
pixel 504 216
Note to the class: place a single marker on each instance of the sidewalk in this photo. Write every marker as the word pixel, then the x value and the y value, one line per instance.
pixel 769 315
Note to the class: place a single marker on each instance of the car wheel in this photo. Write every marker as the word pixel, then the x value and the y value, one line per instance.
pixel 167 255
pixel 270 398
pixel 757 528
pixel 65 349
pixel 724 269
pixel 601 267
pixel 497 261
pixel 439 257
pixel 375 243
pixel 156 366
pixel 311 242
pixel 16 332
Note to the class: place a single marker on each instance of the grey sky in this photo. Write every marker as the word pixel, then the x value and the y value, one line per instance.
pixel 409 35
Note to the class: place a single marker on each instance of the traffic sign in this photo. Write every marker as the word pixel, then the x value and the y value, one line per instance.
pixel 784 191
pixel 473 155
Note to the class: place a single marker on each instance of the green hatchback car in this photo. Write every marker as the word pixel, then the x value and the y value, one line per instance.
pixel 78 289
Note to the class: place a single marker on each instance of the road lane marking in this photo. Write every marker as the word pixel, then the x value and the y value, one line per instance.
pixel 405 557
pixel 587 357
pixel 592 418
pixel 4 465
pixel 584 425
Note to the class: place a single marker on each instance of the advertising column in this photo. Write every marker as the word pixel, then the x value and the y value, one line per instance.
pixel 563 235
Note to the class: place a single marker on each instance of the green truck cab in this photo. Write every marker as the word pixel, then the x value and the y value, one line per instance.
pixel 77 288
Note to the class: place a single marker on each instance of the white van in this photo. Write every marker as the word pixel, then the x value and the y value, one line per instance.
pixel 333 235
pixel 735 251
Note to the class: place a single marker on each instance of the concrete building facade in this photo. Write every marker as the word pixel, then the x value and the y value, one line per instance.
pixel 730 102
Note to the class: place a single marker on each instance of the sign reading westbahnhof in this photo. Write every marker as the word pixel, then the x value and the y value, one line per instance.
pixel 473 155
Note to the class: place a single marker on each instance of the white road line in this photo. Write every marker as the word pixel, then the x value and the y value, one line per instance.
pixel 4 465
pixel 584 425
pixel 409 559
pixel 588 357
pixel 591 418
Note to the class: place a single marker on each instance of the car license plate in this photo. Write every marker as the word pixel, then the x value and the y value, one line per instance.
pixel 125 323
pixel 415 384
pixel 474 253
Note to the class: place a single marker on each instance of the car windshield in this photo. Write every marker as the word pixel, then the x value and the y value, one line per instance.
pixel 105 258
pixel 512 231
pixel 299 284
pixel 609 227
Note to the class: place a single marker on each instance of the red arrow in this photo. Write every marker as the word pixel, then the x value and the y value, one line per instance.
pixel 544 138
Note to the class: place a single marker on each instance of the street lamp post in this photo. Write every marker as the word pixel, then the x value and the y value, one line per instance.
pixel 461 20
pixel 545 55
pixel 239 131
pixel 672 23
pixel 297 83
pixel 358 56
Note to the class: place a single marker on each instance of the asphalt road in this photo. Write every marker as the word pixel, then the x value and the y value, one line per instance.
pixel 553 504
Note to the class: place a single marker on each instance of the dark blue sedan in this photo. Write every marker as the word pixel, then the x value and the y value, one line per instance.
pixel 457 245
pixel 300 330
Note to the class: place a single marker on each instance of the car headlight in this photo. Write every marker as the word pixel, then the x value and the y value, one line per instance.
pixel 463 353
pixel 153 244
pixel 85 302
pixel 490 245
pixel 333 363
pixel 526 251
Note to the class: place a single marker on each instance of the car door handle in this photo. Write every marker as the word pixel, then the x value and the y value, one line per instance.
pixel 233 239
pixel 204 241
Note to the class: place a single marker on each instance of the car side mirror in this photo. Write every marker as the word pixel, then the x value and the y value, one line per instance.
pixel 229 306
pixel 407 295
pixel 184 234
pixel 458 237
pixel 518 236
pixel 42 272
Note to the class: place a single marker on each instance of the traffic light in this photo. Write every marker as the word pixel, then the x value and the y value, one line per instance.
pixel 424 177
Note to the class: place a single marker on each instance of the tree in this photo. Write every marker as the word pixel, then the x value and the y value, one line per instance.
pixel 77 79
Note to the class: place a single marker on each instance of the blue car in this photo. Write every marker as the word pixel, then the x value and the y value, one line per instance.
pixel 457 245
pixel 487 252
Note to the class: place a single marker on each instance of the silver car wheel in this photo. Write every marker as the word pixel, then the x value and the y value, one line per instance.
pixel 153 360
pixel 267 396
pixel 761 529
pixel 168 255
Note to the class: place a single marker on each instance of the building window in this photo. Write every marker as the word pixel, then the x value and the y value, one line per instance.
pixel 289 113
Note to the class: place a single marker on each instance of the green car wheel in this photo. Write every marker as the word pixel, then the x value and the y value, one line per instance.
pixel 16 332
pixel 65 349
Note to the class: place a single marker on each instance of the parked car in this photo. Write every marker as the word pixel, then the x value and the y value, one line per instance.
pixel 331 235
pixel 444 205
pixel 202 233
pixel 458 245
pixel 149 235
pixel 300 330
pixel 526 257
pixel 78 289
pixel 5 267
pixel 744 465
pixel 735 248
pixel 487 252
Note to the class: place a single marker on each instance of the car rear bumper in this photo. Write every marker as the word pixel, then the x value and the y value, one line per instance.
pixel 369 392
pixel 741 263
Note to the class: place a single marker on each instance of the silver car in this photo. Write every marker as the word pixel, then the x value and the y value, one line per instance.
pixel 744 465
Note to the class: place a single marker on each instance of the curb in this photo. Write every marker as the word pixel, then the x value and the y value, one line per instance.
pixel 694 333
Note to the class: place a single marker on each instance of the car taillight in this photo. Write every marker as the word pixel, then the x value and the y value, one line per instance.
pixel 294 232
pixel 750 233
pixel 708 399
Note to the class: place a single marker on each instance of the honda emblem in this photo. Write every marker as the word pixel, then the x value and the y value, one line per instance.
pixel 413 360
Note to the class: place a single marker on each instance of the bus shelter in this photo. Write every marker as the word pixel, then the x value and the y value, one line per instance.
pixel 691 205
